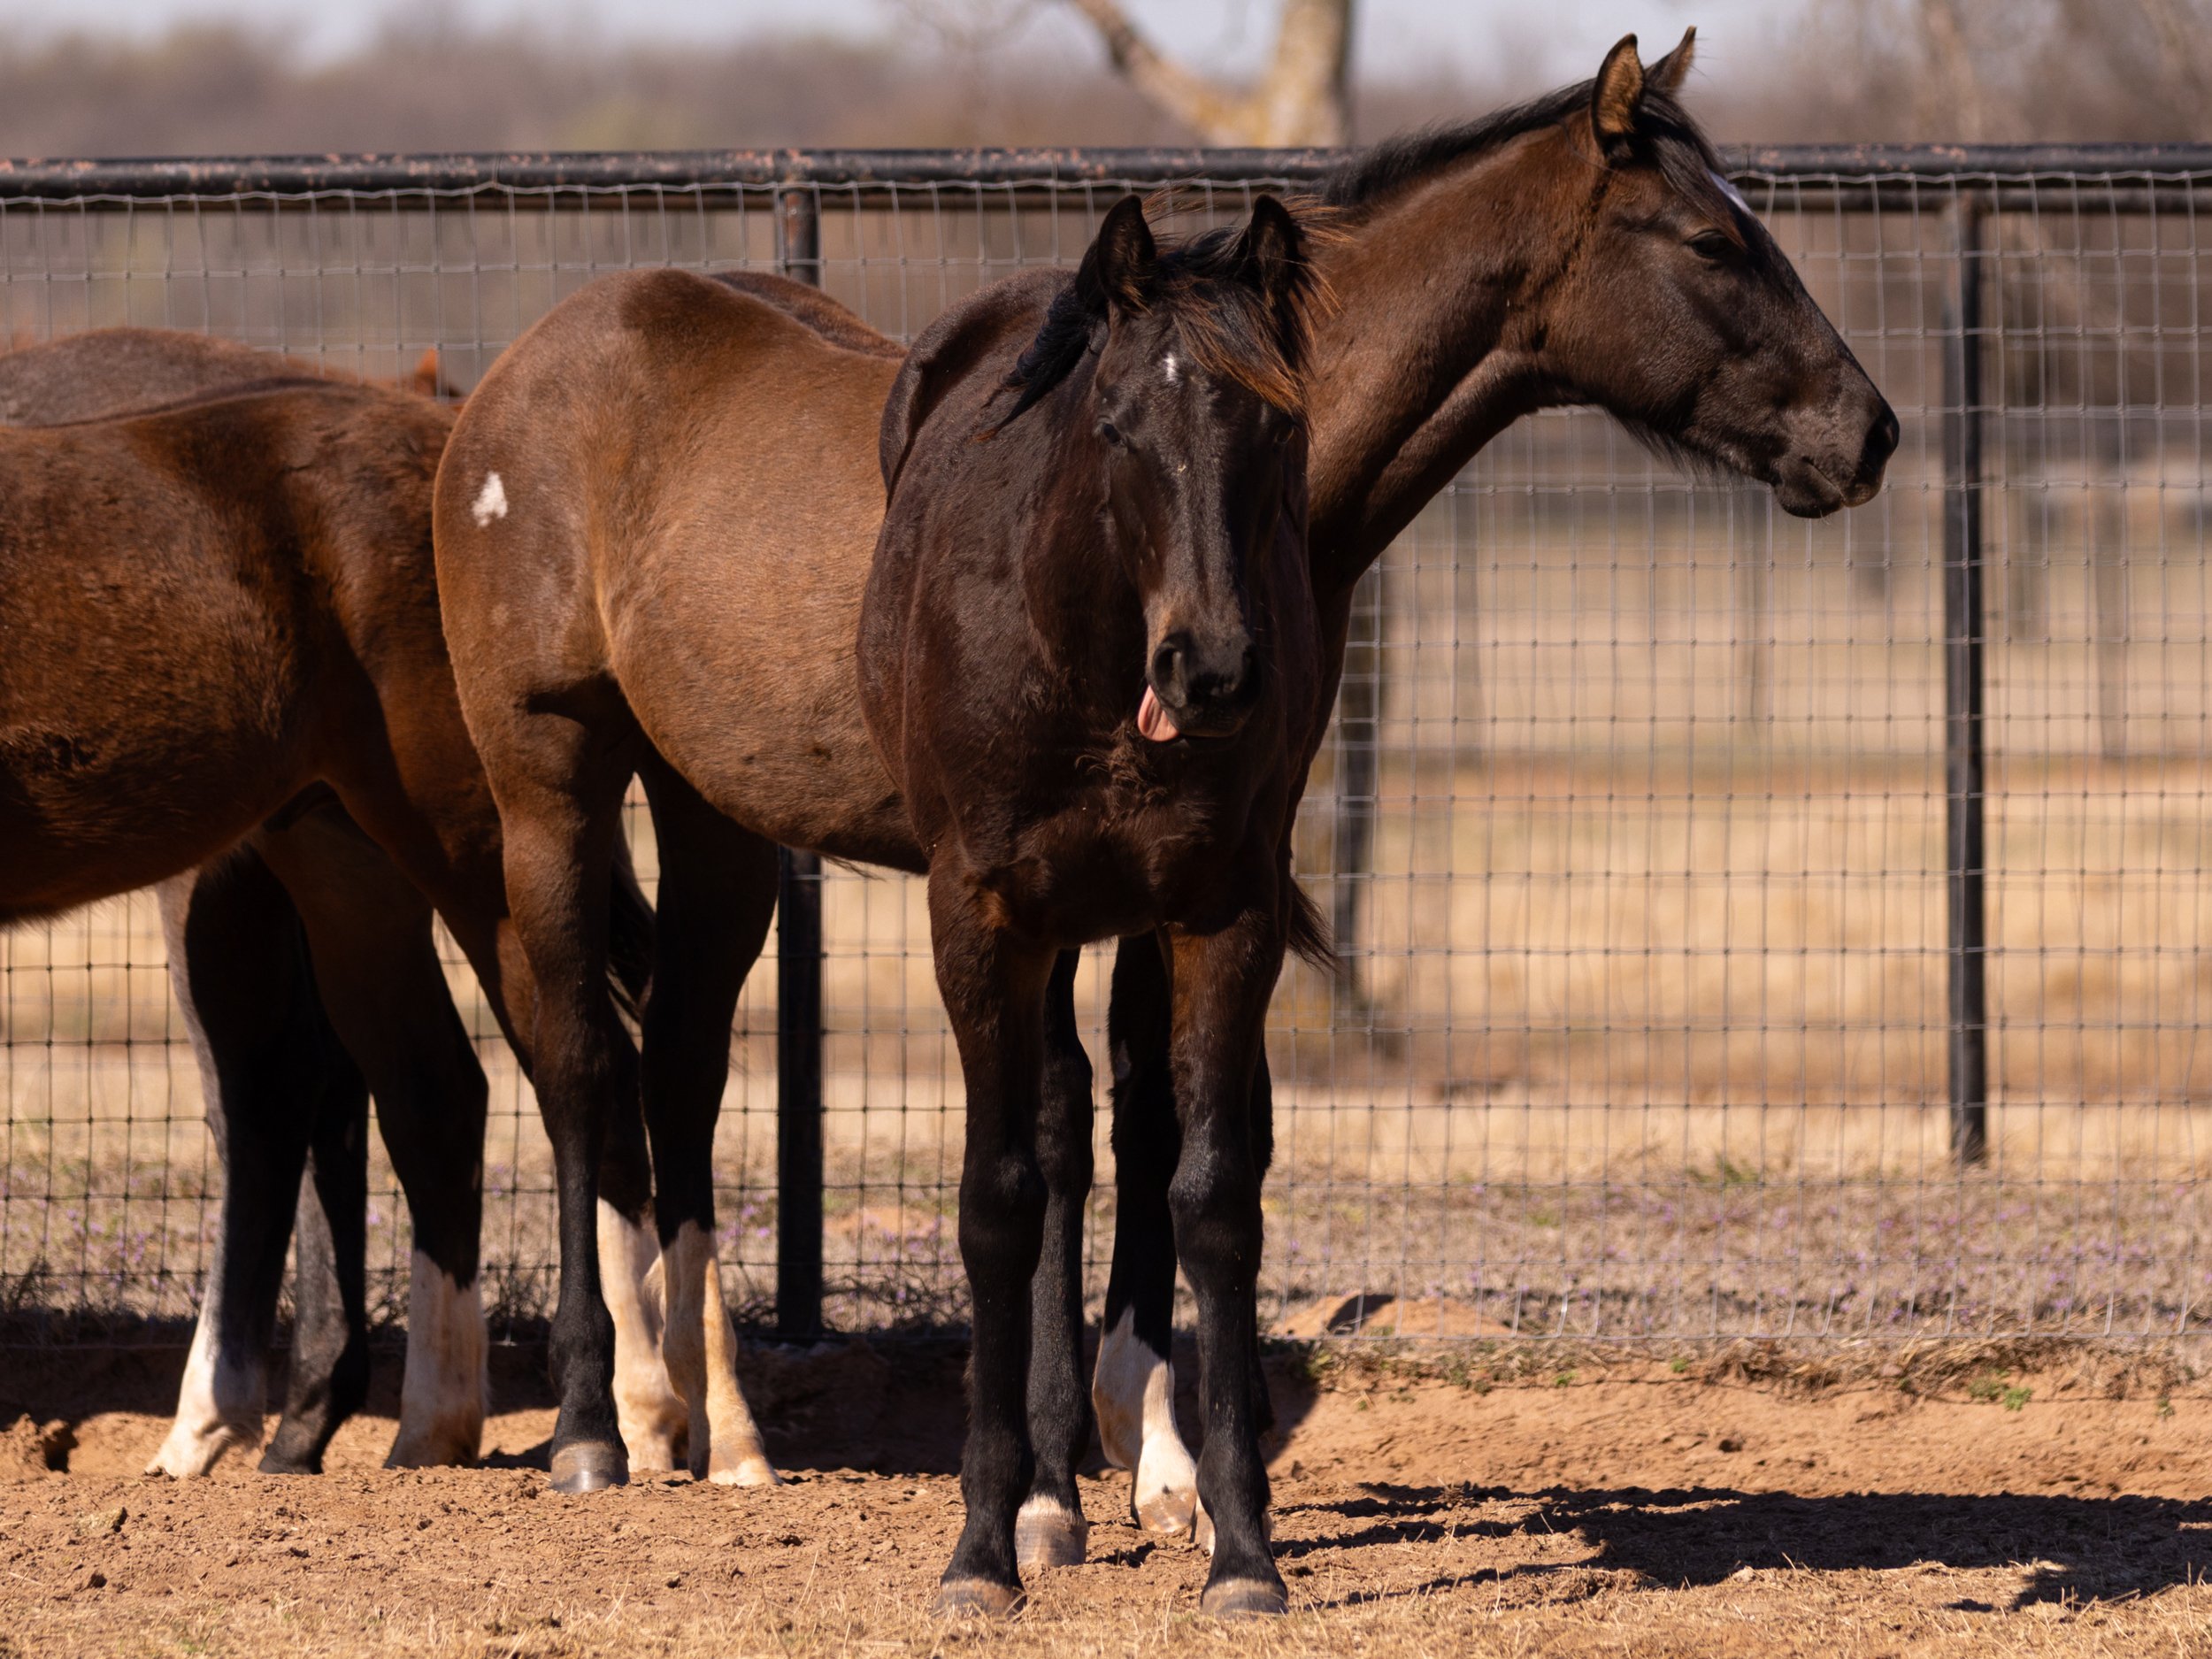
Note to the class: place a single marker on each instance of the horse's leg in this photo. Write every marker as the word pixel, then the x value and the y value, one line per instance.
pixel 268 1068
pixel 647 1406
pixel 562 774
pixel 1133 1386
pixel 993 990
pixel 369 930
pixel 328 1380
pixel 1221 985
pixel 1050 1530
pixel 717 892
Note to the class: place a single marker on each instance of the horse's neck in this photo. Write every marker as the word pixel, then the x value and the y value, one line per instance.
pixel 1082 610
pixel 1434 346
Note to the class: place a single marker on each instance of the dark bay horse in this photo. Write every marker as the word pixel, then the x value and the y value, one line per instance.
pixel 656 518
pixel 226 651
pixel 1089 658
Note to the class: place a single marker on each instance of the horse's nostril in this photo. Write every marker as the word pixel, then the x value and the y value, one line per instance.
pixel 1169 659
pixel 1881 440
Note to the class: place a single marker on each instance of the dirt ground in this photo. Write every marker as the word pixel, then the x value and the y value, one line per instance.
pixel 1640 1507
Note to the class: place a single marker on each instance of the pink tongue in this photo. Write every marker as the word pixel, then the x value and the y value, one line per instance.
pixel 1152 719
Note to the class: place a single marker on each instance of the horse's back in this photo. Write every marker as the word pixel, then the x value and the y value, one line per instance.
pixel 804 303
pixel 112 371
pixel 176 591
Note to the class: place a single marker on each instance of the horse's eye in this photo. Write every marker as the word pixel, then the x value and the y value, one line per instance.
pixel 1712 244
pixel 1111 433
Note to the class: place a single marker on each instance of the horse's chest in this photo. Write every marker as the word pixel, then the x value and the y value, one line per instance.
pixel 1107 864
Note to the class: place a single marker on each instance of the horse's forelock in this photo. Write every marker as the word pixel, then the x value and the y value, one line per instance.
pixel 1228 327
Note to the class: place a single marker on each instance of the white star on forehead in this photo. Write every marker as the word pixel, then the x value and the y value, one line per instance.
pixel 1733 194
pixel 1169 364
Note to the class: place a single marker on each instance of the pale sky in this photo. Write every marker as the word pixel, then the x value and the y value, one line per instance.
pixel 1557 41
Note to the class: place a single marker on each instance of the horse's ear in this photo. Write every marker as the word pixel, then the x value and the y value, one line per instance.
pixel 1668 74
pixel 1617 93
pixel 1270 258
pixel 1271 252
pixel 1119 266
pixel 425 378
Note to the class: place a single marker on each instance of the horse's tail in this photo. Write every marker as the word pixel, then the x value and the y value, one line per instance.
pixel 629 939
pixel 1310 931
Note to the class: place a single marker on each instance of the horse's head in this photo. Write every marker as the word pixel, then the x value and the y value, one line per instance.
pixel 1680 314
pixel 1193 424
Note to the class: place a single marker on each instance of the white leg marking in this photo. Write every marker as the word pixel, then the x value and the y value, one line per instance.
pixel 650 1416
pixel 1134 1393
pixel 702 1351
pixel 443 1391
pixel 491 500
pixel 219 1405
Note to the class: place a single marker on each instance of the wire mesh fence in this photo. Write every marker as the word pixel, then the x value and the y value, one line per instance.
pixel 1656 838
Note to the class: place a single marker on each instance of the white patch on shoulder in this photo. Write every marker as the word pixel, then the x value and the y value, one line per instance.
pixel 1733 195
pixel 1171 366
pixel 491 500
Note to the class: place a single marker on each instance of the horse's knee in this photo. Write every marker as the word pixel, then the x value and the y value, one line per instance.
pixel 1215 1201
pixel 1066 1163
pixel 1002 1206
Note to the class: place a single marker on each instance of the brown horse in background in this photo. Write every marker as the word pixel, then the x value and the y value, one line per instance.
pixel 654 521
pixel 271 590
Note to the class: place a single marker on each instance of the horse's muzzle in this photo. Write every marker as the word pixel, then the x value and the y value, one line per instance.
pixel 1207 688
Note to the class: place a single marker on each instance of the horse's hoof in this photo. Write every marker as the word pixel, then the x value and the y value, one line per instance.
pixel 432 1449
pixel 976 1598
pixel 1047 1535
pixel 279 1463
pixel 651 1454
pixel 1243 1598
pixel 589 1466
pixel 1169 1514
pixel 755 1470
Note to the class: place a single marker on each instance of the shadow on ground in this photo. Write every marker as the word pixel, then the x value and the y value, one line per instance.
pixel 2072 1548
pixel 890 1405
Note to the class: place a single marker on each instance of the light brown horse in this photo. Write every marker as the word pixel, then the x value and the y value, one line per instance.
pixel 653 527
pixel 224 626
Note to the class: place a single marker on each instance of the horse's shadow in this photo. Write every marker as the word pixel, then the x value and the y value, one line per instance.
pixel 2070 1549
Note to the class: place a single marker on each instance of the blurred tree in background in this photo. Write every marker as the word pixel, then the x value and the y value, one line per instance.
pixel 965 72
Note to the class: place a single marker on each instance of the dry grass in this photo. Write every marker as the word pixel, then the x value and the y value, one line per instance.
pixel 1825 1616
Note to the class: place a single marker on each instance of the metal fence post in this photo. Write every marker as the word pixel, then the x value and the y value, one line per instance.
pixel 799 961
pixel 1964 625
pixel 1358 717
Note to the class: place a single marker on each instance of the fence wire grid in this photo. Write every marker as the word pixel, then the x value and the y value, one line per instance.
pixel 1634 823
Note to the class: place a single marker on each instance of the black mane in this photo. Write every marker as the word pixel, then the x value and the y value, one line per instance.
pixel 1665 134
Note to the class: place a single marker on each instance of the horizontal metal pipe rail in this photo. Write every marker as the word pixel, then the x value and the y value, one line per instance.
pixel 1882 169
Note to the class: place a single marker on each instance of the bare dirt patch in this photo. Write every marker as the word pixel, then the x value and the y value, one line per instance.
pixel 1623 1507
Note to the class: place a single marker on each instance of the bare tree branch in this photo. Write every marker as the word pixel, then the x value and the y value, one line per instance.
pixel 1182 94
pixel 1301 100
